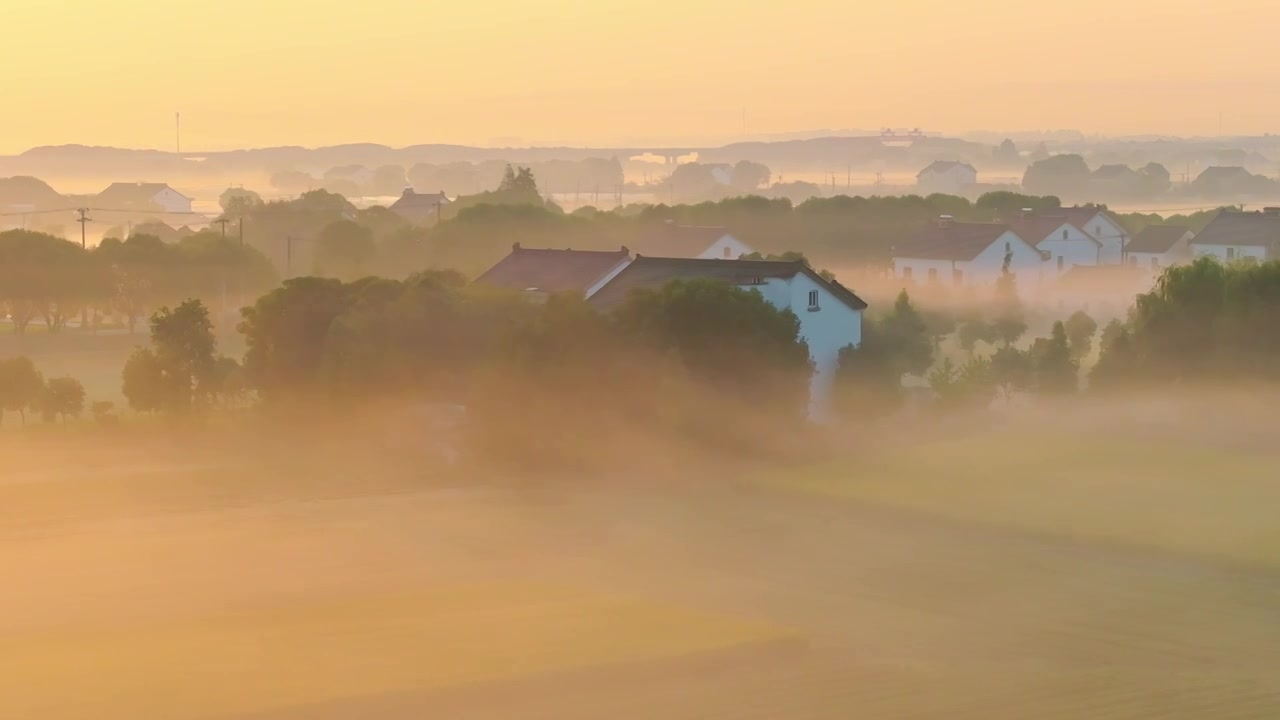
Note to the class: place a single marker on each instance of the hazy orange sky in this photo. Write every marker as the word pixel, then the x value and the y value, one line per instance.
pixel 248 73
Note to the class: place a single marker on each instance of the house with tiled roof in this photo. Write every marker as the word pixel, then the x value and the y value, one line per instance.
pixel 420 207
pixel 966 254
pixel 1063 244
pixel 1158 246
pixel 1235 235
pixel 949 177
pixel 830 314
pixel 142 196
pixel 544 271
pixel 692 241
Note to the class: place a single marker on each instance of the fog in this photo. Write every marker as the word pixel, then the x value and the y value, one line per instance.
pixel 1108 558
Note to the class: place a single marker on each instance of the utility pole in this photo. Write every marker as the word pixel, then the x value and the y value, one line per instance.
pixel 84 218
pixel 223 222
pixel 241 224
pixel 288 257
pixel 177 133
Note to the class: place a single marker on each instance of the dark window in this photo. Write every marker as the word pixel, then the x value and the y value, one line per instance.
pixel 1231 253
pixel 813 299
pixel 726 252
pixel 1061 263
pixel 1064 233
pixel 1155 262
pixel 906 272
pixel 933 274
pixel 1008 248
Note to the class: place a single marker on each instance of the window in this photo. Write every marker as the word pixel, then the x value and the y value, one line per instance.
pixel 757 280
pixel 1097 231
pixel 1133 259
pixel 957 276
pixel 933 274
pixel 1061 263
pixel 1008 247
pixel 813 299
pixel 906 273
pixel 1155 262
pixel 1231 253
pixel 1064 233
pixel 726 252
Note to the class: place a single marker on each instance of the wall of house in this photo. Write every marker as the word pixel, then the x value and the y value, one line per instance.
pixel 951 182
pixel 830 326
pixel 727 247
pixel 1110 235
pixel 1026 265
pixel 1150 261
pixel 172 201
pixel 1076 248
pixel 1222 252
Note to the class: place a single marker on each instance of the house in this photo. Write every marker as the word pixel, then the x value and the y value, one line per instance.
pixel 946 176
pixel 966 253
pixel 1115 180
pixel 1063 244
pixel 419 207
pixel 830 314
pixel 1230 183
pixel 1099 223
pixel 1158 246
pixel 143 196
pixel 541 272
pixel 1233 235
pixel 693 241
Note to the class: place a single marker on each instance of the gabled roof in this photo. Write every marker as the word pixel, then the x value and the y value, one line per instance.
pixel 133 193
pixel 410 200
pixel 951 240
pixel 1114 172
pixel 941 166
pixel 1036 229
pixel 1218 173
pixel 1156 238
pixel 654 272
pixel 1231 227
pixel 552 271
pixel 1080 215
pixel 680 241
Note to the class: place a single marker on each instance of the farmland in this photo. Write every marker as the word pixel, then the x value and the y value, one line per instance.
pixel 1059 579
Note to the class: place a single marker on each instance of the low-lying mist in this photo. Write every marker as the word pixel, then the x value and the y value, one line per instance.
pixel 1108 557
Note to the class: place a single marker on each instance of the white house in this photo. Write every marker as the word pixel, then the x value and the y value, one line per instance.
pixel 1234 235
pixel 967 254
pixel 143 196
pixel 420 207
pixel 693 241
pixel 946 176
pixel 1063 244
pixel 1157 247
pixel 830 314
pixel 1100 224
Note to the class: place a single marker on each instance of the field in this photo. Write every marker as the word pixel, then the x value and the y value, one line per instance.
pixel 1119 571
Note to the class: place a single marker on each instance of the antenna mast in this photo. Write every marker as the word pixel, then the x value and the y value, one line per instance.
pixel 177 133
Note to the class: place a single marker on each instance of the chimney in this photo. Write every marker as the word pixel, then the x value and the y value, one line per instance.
pixel 407 192
pixel 515 246
pixel 626 250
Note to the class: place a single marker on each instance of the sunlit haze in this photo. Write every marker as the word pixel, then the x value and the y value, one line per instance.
pixel 245 73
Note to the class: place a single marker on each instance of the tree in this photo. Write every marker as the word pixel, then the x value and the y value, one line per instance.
pixel 1053 367
pixel 62 398
pixel 104 413
pixel 292 181
pixel 868 383
pixel 236 201
pixel 907 336
pixel 1008 323
pixel 973 331
pixel 145 385
pixel 344 249
pixel 21 385
pixel 1061 175
pixel 285 332
pixel 1006 153
pixel 1080 330
pixel 1110 333
pixel 969 386
pixel 748 176
pixel 1011 370
pixel 183 342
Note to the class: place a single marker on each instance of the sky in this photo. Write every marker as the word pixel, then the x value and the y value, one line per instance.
pixel 254 73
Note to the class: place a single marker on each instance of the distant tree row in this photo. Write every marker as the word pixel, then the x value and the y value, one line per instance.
pixel 23 388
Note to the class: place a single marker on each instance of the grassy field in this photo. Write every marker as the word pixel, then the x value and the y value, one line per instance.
pixel 1073 576
pixel 1182 497
pixel 325 651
